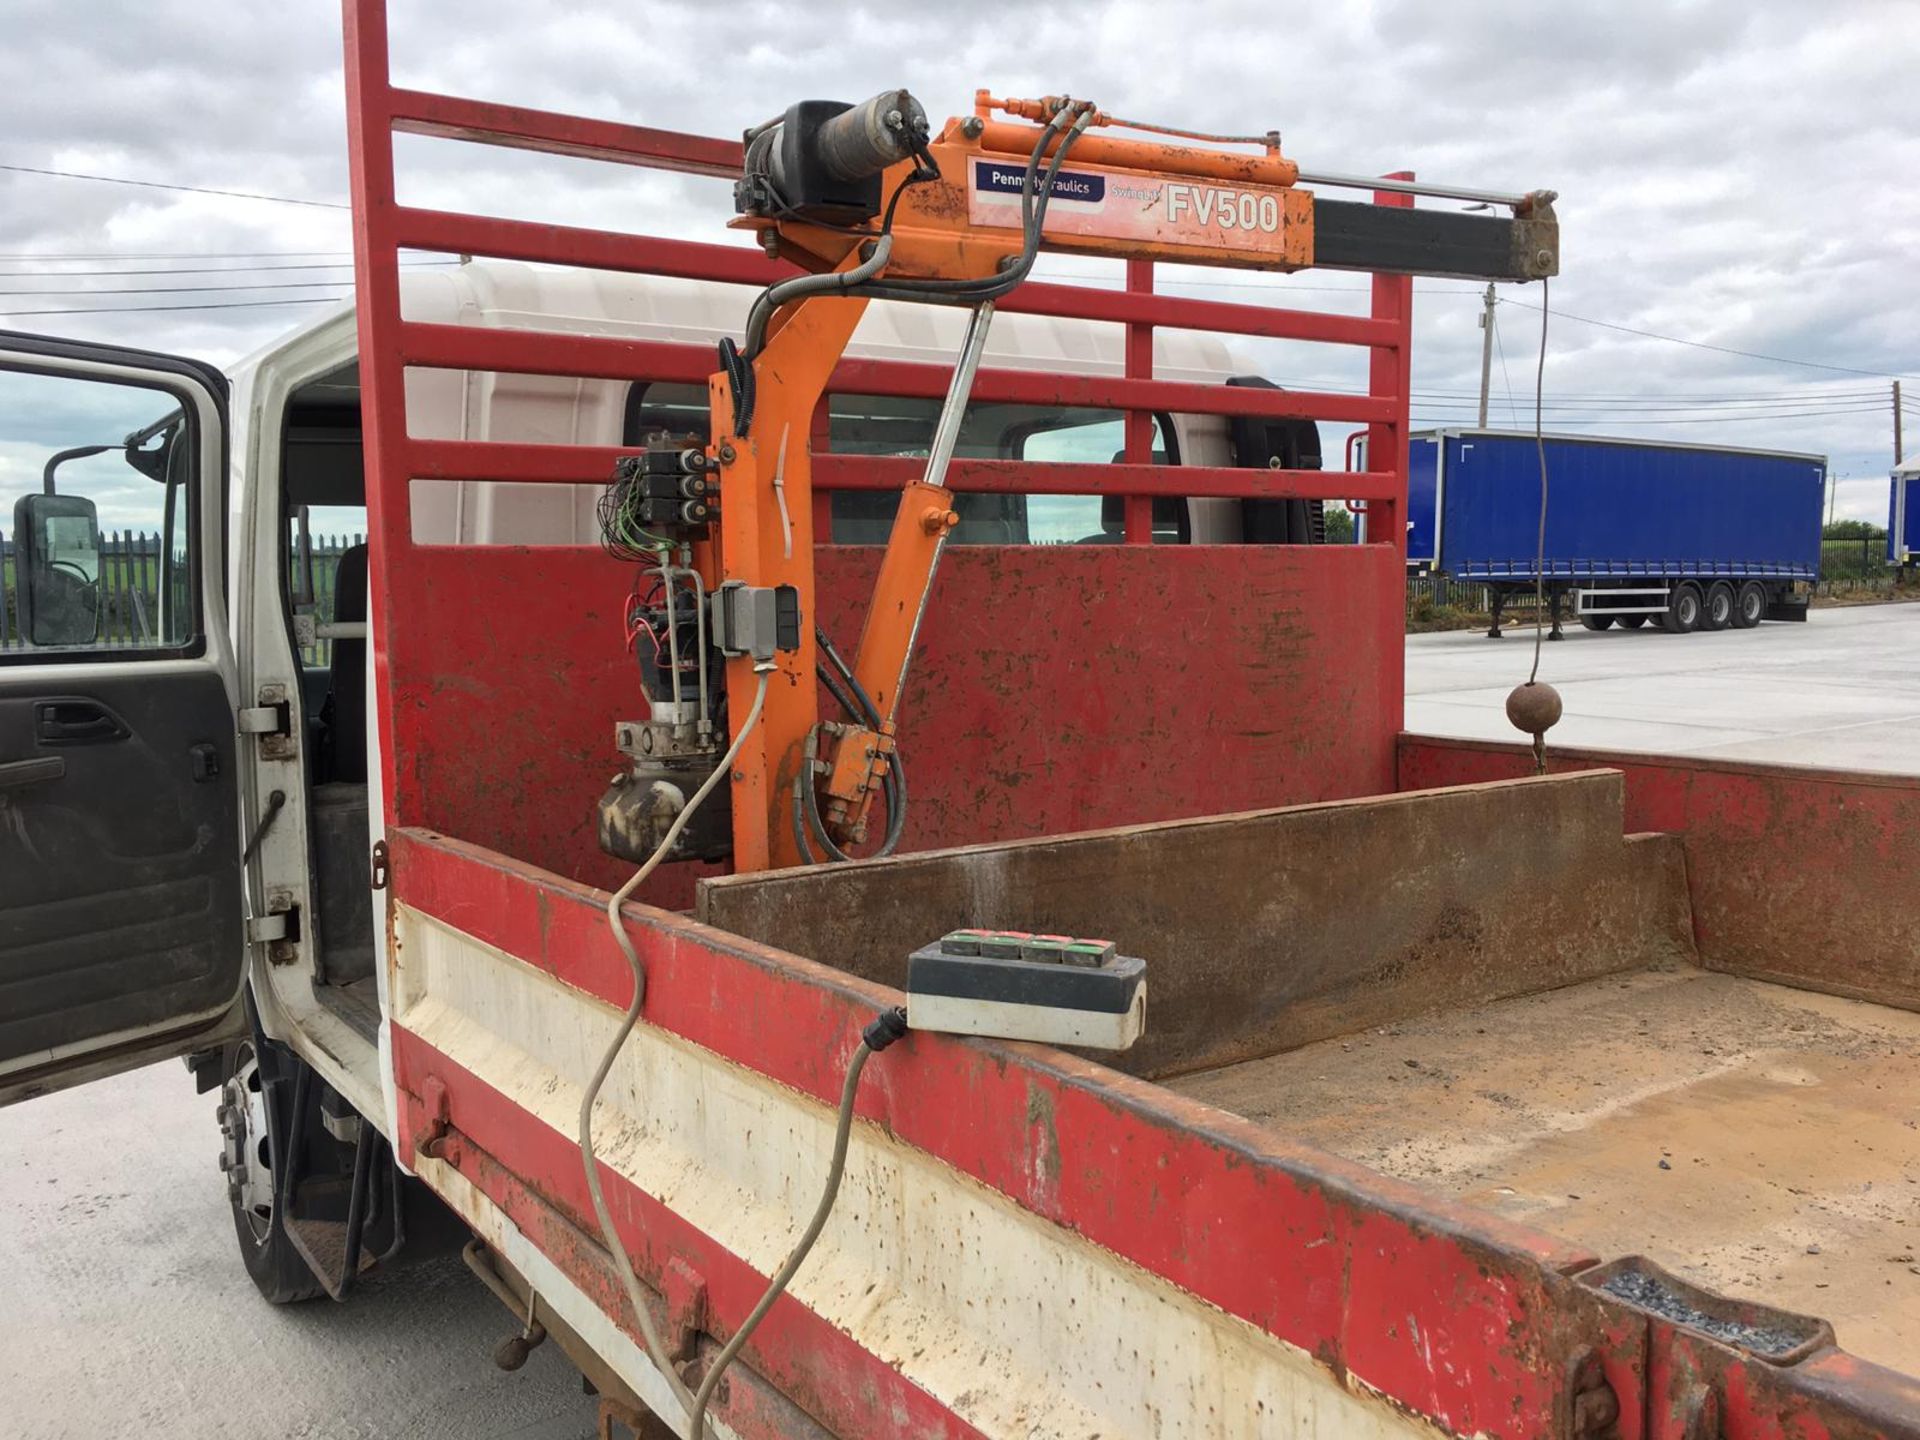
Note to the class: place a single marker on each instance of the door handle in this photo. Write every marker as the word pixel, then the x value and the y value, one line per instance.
pixel 76 722
pixel 16 773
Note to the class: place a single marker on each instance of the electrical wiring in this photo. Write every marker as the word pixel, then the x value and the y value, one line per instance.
pixel 887 1027
pixel 1540 445
pixel 621 534
pixel 623 1263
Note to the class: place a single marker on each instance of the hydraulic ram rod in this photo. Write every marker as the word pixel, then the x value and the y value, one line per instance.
pixel 1421 187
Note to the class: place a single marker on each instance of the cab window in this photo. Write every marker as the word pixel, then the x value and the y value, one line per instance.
pixel 903 426
pixel 97 510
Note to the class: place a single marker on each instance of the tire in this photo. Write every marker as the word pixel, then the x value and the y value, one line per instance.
pixel 253 1177
pixel 1718 611
pixel 1750 606
pixel 1596 622
pixel 1684 606
pixel 1630 622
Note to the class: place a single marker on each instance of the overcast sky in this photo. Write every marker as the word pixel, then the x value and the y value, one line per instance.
pixel 1735 173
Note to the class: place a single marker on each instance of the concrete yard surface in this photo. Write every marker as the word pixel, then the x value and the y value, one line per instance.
pixel 1841 690
pixel 127 1310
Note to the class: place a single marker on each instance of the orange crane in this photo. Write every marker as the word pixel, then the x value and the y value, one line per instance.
pixel 874 205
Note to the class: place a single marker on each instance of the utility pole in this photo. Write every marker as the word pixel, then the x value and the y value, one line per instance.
pixel 1897 456
pixel 1486 359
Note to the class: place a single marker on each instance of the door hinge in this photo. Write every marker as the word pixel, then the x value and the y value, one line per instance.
pixel 381 867
pixel 278 929
pixel 262 928
pixel 272 721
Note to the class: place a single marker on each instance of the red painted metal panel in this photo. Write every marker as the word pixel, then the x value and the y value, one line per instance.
pixel 1456 1315
pixel 454 118
pixel 1031 387
pixel 1138 512
pixel 1180 312
pixel 543 352
pixel 1798 875
pixel 512 670
pixel 383 399
pixel 592 464
pixel 819 1368
pixel 1390 371
pixel 883 472
pixel 456 234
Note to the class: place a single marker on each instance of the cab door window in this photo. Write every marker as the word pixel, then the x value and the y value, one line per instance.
pixel 97 517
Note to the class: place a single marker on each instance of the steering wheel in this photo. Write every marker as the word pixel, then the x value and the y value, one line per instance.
pixel 69 601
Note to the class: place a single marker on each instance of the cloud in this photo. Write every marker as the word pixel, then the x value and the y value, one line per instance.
pixel 1730 172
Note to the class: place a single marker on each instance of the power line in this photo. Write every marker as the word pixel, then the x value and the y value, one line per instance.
pixel 1634 422
pixel 1722 349
pixel 1807 392
pixel 201 270
pixel 1048 272
pixel 156 309
pixel 166 254
pixel 1506 378
pixel 184 189
pixel 188 289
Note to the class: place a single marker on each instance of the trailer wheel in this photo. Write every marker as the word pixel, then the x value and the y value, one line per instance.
pixel 253 1172
pixel 1719 609
pixel 1683 609
pixel 1751 607
pixel 1596 622
pixel 1630 622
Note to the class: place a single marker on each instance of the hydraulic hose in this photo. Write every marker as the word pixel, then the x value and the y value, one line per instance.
pixel 801 286
pixel 623 1263
pixel 1034 198
pixel 862 708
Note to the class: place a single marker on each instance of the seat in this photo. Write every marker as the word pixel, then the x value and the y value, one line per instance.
pixel 1172 525
pixel 345 709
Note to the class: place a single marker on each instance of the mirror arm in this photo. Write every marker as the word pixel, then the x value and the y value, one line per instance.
pixel 59 458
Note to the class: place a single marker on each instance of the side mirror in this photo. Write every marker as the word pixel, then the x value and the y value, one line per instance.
pixel 56 541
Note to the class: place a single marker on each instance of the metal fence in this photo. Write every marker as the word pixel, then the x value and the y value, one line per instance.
pixel 1856 564
pixel 130 578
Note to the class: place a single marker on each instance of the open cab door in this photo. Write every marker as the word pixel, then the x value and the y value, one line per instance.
pixel 122 937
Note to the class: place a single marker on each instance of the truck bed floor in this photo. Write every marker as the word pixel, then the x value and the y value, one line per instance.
pixel 1761 1141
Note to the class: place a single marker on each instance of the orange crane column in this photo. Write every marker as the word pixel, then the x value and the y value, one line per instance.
pixel 766 538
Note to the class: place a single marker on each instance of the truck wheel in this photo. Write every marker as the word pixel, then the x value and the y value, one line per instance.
pixel 1683 609
pixel 246 1154
pixel 1718 611
pixel 1751 606
pixel 1596 622
pixel 1631 622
